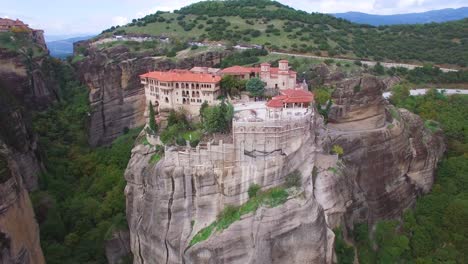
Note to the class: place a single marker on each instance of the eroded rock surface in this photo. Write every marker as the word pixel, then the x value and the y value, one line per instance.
pixel 19 169
pixel 389 159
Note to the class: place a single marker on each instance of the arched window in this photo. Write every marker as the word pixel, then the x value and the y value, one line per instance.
pixel 166 100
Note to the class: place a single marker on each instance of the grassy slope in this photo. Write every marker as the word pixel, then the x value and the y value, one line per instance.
pixel 320 34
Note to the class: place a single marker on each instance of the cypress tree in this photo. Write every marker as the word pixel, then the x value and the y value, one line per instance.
pixel 152 121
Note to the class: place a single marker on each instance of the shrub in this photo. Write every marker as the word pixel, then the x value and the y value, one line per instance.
pixel 253 190
pixel 181 141
pixel 229 215
pixel 194 143
pixel 357 88
pixel 293 179
pixel 171 54
pixel 337 149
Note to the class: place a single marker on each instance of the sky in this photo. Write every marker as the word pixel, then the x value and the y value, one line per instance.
pixel 72 17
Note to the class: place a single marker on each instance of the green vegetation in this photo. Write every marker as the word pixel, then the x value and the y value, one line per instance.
pixel 242 58
pixel 344 252
pixel 255 87
pixel 322 95
pixel 429 74
pixel 293 179
pixel 399 93
pixel 253 190
pixel 270 198
pixel 177 126
pixel 279 27
pixel 80 201
pixel 338 150
pixel 152 127
pixel 218 118
pixel 435 231
pixel 77 58
pixel 232 86
pixel 155 158
pixel 203 235
pixel 432 125
pixel 395 114
pixel 20 42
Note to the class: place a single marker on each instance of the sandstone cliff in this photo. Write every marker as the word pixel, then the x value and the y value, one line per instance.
pixel 389 158
pixel 26 84
pixel 115 93
pixel 389 155
pixel 19 169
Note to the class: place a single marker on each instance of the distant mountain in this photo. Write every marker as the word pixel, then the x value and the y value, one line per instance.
pixel 442 15
pixel 63 48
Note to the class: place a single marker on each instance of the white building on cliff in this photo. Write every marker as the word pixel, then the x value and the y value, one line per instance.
pixel 184 89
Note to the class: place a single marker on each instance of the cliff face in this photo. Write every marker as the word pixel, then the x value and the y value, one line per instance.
pixel 19 169
pixel 28 79
pixel 389 155
pixel 116 96
pixel 168 203
pixel 26 84
pixel 389 158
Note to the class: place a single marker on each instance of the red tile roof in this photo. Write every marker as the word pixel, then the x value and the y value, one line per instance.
pixel 275 103
pixel 296 93
pixel 182 76
pixel 240 70
pixel 291 96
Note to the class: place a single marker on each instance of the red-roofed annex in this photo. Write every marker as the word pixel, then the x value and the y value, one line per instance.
pixel 291 98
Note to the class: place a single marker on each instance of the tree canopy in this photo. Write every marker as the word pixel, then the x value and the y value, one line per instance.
pixel 255 87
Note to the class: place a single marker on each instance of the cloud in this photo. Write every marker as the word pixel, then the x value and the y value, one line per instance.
pixel 120 20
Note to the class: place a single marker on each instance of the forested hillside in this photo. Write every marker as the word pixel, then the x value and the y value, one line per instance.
pixel 279 27
pixel 80 201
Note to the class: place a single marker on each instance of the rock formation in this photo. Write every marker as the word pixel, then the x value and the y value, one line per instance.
pixel 389 159
pixel 19 169
pixel 26 84
pixel 117 247
pixel 115 93
pixel 389 155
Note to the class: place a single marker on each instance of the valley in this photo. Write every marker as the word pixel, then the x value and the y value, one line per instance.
pixel 235 132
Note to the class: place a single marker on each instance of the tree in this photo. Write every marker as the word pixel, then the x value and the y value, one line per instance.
pixel 255 87
pixel 379 69
pixel 202 109
pixel 231 85
pixel 253 190
pixel 152 119
pixel 399 93
pixel 218 118
pixel 391 244
pixel 322 95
